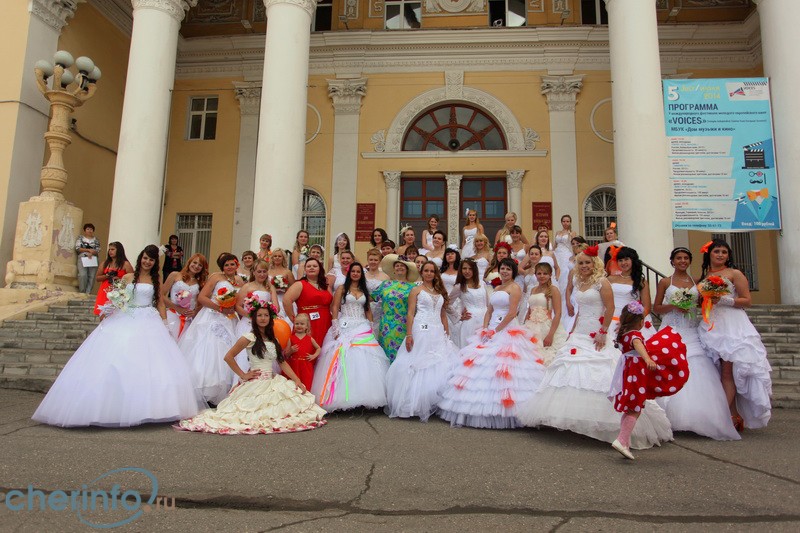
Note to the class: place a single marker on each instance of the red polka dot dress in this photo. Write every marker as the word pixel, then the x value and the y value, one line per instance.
pixel 633 383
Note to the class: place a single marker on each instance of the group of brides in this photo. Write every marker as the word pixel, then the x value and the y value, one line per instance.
pixel 478 341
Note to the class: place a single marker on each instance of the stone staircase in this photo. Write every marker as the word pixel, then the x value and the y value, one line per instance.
pixel 33 351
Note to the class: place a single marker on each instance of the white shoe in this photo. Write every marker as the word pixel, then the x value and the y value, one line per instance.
pixel 617 445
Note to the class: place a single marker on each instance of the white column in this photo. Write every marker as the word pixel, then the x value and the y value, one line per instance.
pixel 26 153
pixel 453 209
pixel 562 96
pixel 280 163
pixel 640 143
pixel 249 96
pixel 514 185
pixel 141 161
pixel 780 40
pixel 346 95
pixel 392 180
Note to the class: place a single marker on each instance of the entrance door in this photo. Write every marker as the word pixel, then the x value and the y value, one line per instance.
pixel 488 197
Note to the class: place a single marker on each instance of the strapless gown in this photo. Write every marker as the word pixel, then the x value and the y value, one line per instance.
pixel 177 324
pixel 538 325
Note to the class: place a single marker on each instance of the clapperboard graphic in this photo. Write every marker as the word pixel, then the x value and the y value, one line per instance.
pixel 759 155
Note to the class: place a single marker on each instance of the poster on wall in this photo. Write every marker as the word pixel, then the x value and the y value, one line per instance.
pixel 721 154
pixel 365 222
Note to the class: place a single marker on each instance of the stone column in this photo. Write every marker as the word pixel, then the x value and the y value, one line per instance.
pixel 249 96
pixel 136 205
pixel 280 163
pixel 562 96
pixel 779 42
pixel 24 114
pixel 392 180
pixel 640 143
pixel 514 185
pixel 453 208
pixel 346 95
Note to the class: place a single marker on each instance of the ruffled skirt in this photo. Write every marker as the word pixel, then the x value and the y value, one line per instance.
pixel 267 404
pixel 204 346
pixel 127 372
pixel 538 329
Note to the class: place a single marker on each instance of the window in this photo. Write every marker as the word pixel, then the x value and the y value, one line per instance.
pixel 454 127
pixel 203 118
pixel 744 254
pixel 421 198
pixel 593 12
pixel 194 234
pixel 323 16
pixel 314 217
pixel 403 14
pixel 599 210
pixel 507 13
pixel 487 196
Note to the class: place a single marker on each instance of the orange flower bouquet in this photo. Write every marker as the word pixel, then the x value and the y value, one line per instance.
pixel 711 287
pixel 226 297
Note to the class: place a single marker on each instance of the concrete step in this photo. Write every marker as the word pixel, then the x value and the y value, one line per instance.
pixel 26 382
pixel 31 325
pixel 30 369
pixel 21 355
pixel 62 317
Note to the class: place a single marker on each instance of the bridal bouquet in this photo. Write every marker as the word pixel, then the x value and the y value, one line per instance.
pixel 183 299
pixel 226 297
pixel 119 296
pixel 711 287
pixel 684 300
pixel 279 282
pixel 494 280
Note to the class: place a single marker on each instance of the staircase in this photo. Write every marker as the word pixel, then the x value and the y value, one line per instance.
pixel 33 351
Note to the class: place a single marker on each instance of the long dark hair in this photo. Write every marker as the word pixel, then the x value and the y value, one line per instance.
pixel 637 273
pixel 456 263
pixel 151 250
pixel 362 284
pixel 716 243
pixel 120 259
pixel 260 346
pixel 384 237
pixel 321 281
pixel 476 275
pixel 627 320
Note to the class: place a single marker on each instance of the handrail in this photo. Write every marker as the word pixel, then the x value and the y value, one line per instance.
pixel 650 272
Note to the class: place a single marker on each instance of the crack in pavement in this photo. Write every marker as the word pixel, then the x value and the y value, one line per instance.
pixel 367 486
pixel 732 463
pixel 19 429
pixel 558 526
pixel 304 521
pixel 368 420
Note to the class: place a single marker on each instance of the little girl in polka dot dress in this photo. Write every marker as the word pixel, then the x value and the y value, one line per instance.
pixel 645 371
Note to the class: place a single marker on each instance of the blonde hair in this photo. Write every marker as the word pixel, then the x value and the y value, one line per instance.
pixel 598 270
pixel 283 254
pixel 303 317
pixel 477 221
pixel 255 266
pixel 548 293
pixel 505 229
pixel 374 251
pixel 481 237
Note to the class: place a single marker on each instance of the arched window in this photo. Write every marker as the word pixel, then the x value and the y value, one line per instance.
pixel 454 127
pixel 314 217
pixel 599 210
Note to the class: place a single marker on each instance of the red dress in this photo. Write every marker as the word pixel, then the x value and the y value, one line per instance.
pixel 298 362
pixel 316 303
pixel 637 384
pixel 102 297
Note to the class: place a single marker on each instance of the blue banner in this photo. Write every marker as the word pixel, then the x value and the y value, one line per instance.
pixel 721 154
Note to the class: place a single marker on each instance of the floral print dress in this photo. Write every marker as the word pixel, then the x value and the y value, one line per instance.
pixel 393 296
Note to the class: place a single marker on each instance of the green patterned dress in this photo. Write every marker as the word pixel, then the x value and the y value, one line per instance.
pixel 393 296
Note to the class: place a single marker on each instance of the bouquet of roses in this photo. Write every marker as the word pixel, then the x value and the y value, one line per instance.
pixel 684 300
pixel 226 297
pixel 279 282
pixel 494 280
pixel 183 299
pixel 253 303
pixel 119 296
pixel 711 287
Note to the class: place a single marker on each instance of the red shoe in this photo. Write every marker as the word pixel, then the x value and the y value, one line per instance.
pixel 738 422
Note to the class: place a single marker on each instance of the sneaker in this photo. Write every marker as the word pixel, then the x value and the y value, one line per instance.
pixel 617 445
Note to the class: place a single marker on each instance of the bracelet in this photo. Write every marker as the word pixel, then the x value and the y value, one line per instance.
pixel 409 334
pixel 602 331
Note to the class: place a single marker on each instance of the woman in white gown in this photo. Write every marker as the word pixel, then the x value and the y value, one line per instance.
pixel 128 371
pixel 735 344
pixel 543 320
pixel 573 393
pixel 474 301
pixel 499 370
pixel 261 287
pixel 471 229
pixel 437 254
pixel 563 251
pixel 337 274
pixel 374 276
pixel 700 406
pixel 449 274
pixel 212 333
pixel 483 254
pixel 418 375
pixel 263 402
pixel 180 291
pixel 351 371
pixel 630 285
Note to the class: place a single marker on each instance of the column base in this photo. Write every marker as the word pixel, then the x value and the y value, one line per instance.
pixel 44 246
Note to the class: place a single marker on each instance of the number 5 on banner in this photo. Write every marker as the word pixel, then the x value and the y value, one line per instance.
pixel 672 93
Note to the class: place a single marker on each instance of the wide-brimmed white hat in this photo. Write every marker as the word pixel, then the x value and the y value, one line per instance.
pixel 387 265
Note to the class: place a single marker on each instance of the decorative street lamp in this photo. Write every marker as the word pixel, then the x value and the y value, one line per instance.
pixel 47 225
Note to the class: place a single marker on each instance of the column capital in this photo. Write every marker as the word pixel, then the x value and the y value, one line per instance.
pixel 174 8
pixel 453 181
pixel 54 13
pixel 347 94
pixel 309 6
pixel 249 95
pixel 392 179
pixel 562 91
pixel 514 178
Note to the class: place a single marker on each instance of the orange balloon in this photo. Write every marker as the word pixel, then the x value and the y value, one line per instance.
pixel 282 331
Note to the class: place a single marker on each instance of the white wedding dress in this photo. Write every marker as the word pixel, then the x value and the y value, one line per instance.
pixel 176 324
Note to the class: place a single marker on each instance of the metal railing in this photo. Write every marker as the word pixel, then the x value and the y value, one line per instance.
pixel 653 276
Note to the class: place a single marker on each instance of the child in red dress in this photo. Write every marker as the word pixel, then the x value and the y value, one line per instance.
pixel 645 371
pixel 302 350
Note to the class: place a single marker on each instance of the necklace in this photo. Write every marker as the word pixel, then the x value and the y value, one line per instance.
pixel 717 270
pixel 231 279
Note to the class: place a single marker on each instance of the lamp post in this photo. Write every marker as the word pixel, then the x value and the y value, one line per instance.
pixel 44 245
